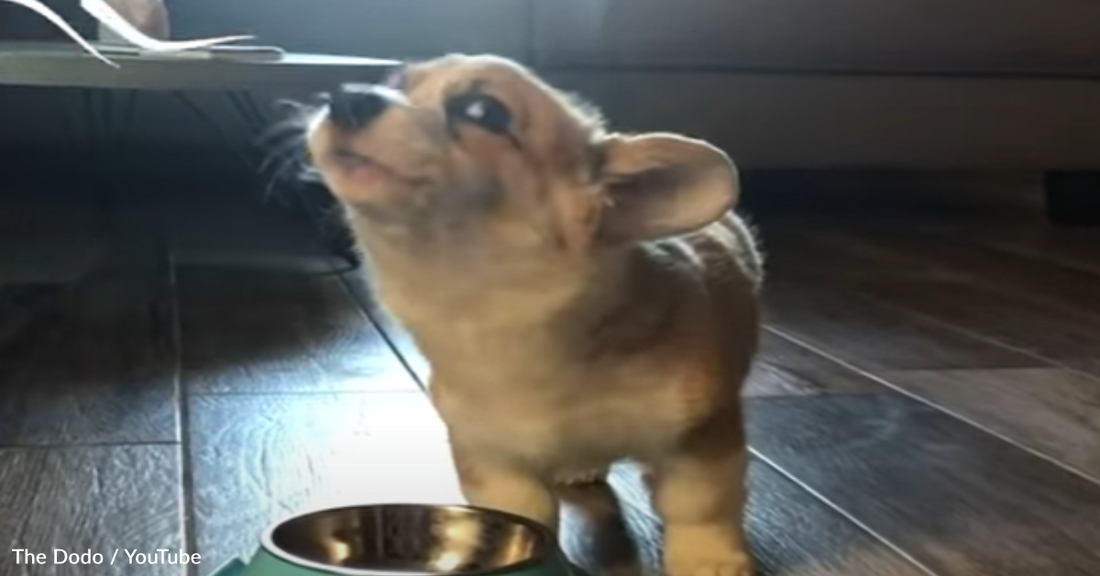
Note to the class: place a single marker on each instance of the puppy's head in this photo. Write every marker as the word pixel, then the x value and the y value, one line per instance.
pixel 475 151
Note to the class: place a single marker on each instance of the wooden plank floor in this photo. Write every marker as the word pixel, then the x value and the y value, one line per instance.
pixel 184 370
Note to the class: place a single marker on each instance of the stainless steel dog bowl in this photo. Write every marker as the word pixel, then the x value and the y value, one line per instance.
pixel 413 539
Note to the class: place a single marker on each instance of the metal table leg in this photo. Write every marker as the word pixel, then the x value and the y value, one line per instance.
pixel 320 208
pixel 98 123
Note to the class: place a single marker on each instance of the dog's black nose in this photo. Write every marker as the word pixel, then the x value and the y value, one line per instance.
pixel 356 106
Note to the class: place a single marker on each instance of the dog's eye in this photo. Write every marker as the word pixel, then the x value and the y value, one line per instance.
pixel 485 111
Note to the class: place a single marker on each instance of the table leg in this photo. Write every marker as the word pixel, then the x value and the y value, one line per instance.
pixel 246 153
pixel 273 167
pixel 107 116
pixel 98 125
pixel 249 112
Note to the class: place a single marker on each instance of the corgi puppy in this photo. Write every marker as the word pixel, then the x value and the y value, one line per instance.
pixel 582 296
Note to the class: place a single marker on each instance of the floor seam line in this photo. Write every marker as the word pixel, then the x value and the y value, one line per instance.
pixel 891 387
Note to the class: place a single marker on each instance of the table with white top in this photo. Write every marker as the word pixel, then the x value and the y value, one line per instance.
pixel 108 93
pixel 102 115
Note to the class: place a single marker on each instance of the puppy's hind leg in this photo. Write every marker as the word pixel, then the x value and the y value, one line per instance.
pixel 493 484
pixel 700 497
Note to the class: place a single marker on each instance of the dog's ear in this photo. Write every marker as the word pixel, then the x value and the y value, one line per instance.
pixel 659 185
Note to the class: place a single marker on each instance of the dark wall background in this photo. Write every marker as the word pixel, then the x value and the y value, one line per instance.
pixel 679 65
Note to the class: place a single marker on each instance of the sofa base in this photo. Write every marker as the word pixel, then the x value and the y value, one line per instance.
pixel 1073 198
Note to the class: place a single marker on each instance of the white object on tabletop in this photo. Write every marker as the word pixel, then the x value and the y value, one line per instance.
pixel 117 26
pixel 107 16
pixel 150 17
pixel 60 22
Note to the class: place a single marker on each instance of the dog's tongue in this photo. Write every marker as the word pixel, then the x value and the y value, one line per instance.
pixel 365 173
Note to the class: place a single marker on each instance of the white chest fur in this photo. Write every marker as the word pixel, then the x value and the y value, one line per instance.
pixel 569 420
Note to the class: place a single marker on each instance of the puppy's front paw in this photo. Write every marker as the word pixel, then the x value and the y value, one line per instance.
pixel 704 551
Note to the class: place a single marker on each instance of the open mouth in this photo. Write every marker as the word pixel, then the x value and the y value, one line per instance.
pixel 352 159
pixel 363 166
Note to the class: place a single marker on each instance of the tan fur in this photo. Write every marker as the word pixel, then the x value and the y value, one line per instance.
pixel 574 312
